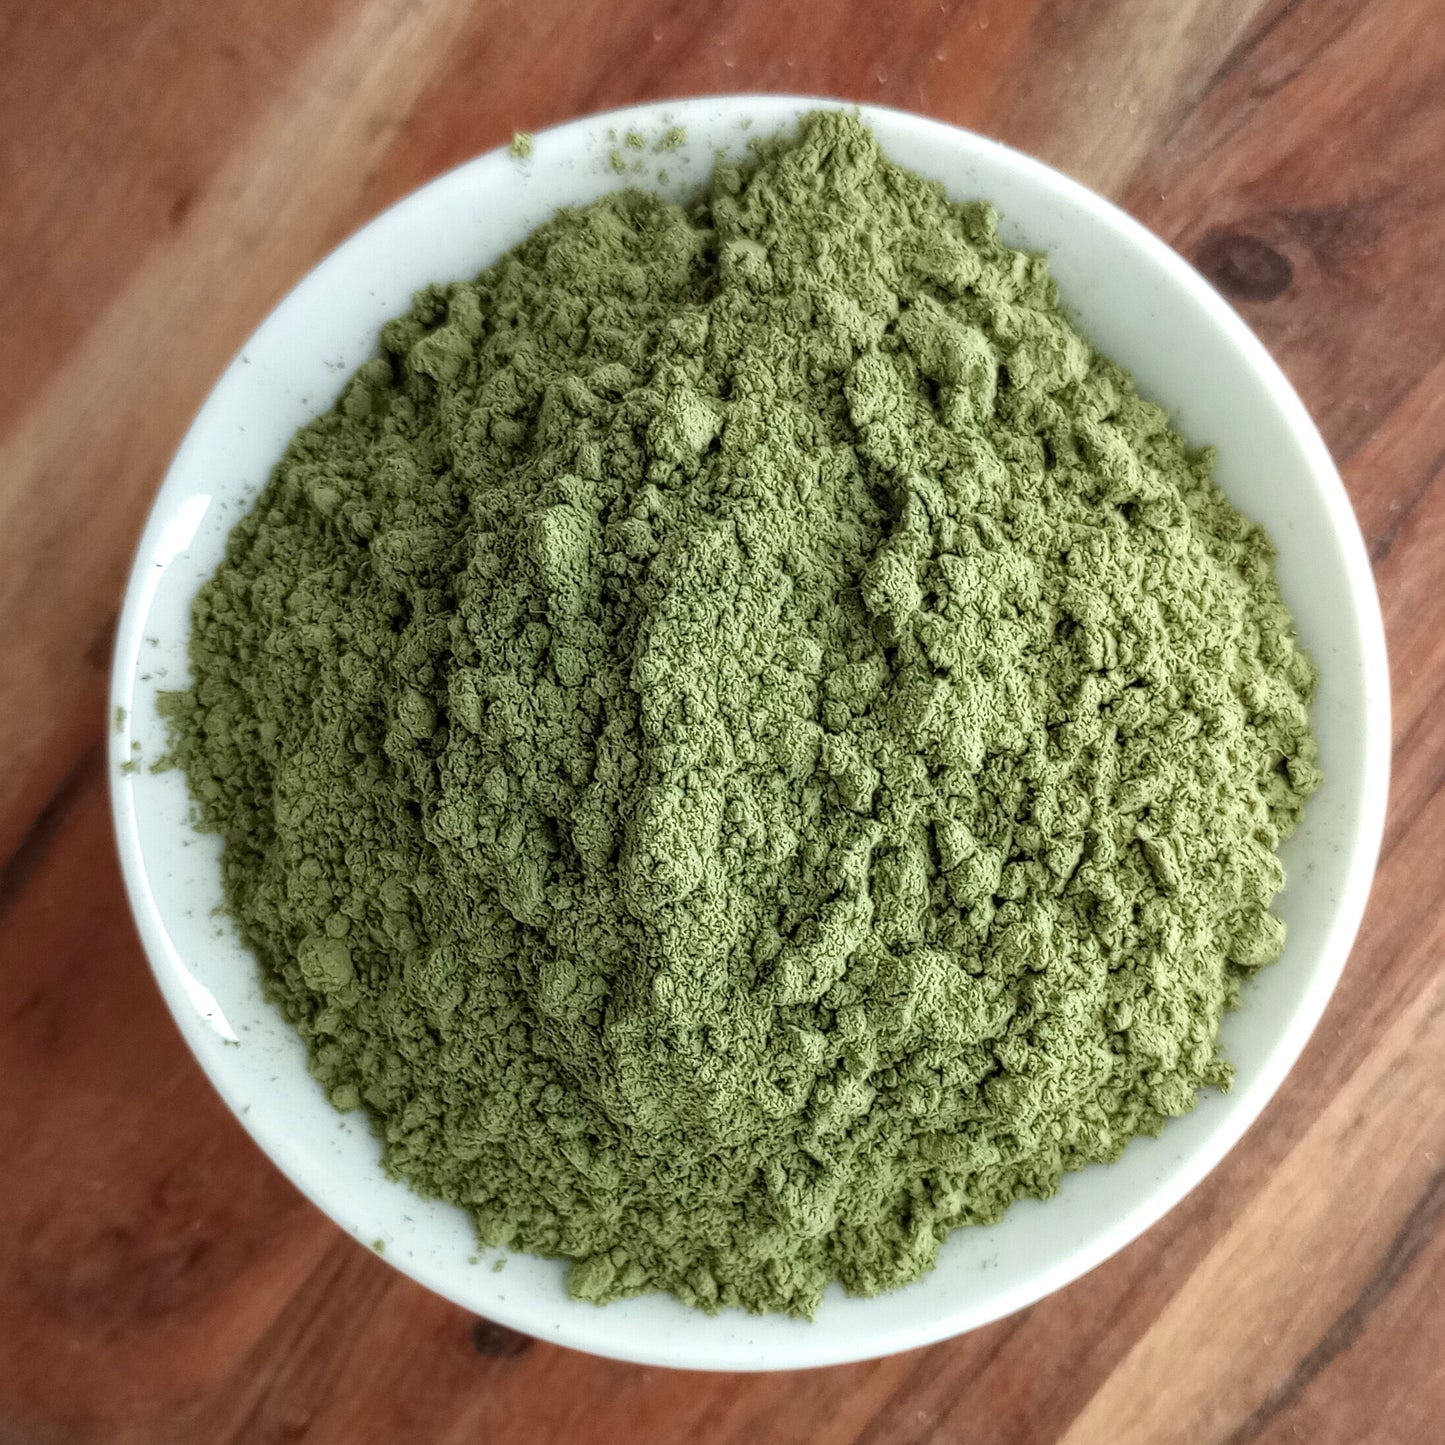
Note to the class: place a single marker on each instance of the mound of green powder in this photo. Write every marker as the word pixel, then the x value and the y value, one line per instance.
pixel 743 743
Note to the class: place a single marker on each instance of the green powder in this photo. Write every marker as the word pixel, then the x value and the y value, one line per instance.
pixel 743 743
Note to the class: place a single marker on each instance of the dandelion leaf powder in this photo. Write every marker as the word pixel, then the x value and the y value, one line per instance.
pixel 743 743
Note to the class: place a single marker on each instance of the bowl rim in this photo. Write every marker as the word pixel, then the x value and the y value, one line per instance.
pixel 772 110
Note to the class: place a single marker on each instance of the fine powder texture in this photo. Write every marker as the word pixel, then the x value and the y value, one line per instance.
pixel 743 743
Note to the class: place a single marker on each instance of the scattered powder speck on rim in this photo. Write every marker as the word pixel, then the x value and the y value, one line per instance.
pixel 743 743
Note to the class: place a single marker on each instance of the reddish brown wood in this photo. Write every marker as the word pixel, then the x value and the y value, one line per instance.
pixel 168 170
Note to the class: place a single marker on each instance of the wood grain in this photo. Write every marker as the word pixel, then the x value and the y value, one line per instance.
pixel 169 170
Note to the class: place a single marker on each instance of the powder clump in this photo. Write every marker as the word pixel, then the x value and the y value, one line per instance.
pixel 744 743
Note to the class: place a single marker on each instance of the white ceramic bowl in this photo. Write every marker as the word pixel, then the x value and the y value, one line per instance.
pixel 1143 306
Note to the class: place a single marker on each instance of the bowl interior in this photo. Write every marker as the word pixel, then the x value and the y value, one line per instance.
pixel 1142 306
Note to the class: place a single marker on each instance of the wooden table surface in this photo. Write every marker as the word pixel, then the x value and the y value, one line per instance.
pixel 168 170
